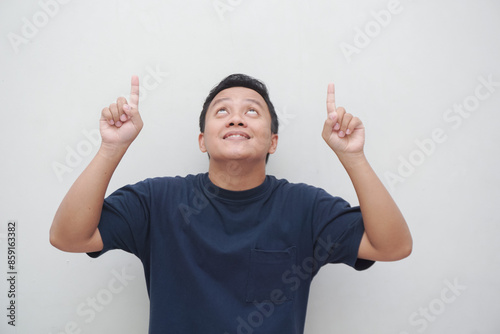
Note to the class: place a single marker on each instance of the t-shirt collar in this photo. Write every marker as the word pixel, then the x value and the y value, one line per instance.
pixel 214 191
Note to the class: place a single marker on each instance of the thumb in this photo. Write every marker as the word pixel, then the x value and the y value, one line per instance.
pixel 328 127
pixel 333 116
pixel 132 114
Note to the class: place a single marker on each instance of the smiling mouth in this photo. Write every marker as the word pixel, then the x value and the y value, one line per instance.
pixel 236 135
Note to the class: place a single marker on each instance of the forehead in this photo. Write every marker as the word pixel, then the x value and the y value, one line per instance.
pixel 238 94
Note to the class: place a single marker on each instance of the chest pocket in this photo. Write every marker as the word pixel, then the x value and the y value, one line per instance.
pixel 266 276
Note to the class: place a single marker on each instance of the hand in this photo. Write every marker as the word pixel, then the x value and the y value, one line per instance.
pixel 121 122
pixel 344 133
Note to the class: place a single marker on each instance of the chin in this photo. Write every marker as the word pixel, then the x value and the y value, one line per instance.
pixel 236 155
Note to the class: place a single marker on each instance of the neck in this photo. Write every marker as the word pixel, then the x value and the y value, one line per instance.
pixel 236 175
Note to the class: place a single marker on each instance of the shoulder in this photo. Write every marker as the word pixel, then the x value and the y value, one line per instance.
pixel 293 185
pixel 155 185
pixel 296 189
pixel 171 180
pixel 306 194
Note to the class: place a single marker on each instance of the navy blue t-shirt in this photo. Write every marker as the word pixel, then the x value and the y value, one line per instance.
pixel 230 262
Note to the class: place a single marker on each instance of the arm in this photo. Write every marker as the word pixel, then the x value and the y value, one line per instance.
pixel 387 236
pixel 74 228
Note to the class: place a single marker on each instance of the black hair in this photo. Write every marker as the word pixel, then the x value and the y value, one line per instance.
pixel 240 80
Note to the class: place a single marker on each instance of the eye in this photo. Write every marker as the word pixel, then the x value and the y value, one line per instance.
pixel 252 112
pixel 221 111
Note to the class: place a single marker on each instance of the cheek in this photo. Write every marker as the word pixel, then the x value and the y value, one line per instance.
pixel 209 129
pixel 209 138
pixel 266 133
pixel 265 140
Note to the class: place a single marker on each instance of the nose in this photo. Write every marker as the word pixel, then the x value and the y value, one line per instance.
pixel 236 120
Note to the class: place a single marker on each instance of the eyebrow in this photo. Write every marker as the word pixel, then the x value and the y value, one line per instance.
pixel 222 99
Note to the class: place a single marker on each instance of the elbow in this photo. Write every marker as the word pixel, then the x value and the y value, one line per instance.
pixel 394 249
pixel 408 248
pixel 55 240
pixel 396 253
pixel 404 250
pixel 73 243
pixel 404 247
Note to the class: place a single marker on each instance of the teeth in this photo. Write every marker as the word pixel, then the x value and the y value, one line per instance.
pixel 236 136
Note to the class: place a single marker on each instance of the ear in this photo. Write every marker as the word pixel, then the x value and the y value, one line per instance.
pixel 201 142
pixel 274 143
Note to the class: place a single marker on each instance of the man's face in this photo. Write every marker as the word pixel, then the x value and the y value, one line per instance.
pixel 238 126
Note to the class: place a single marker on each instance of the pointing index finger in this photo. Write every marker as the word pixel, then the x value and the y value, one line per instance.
pixel 330 99
pixel 134 92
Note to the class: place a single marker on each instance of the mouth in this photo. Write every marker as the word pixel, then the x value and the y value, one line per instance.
pixel 236 135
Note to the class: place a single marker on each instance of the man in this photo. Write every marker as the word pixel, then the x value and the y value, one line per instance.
pixel 233 250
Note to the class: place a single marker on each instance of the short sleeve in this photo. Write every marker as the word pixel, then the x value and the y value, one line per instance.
pixel 124 222
pixel 338 229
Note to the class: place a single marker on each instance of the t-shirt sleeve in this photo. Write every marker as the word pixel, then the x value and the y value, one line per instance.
pixel 338 229
pixel 124 222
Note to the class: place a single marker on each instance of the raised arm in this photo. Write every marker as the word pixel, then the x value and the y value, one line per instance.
pixel 74 228
pixel 386 237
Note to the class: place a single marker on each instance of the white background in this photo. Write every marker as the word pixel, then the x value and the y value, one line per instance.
pixel 61 65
